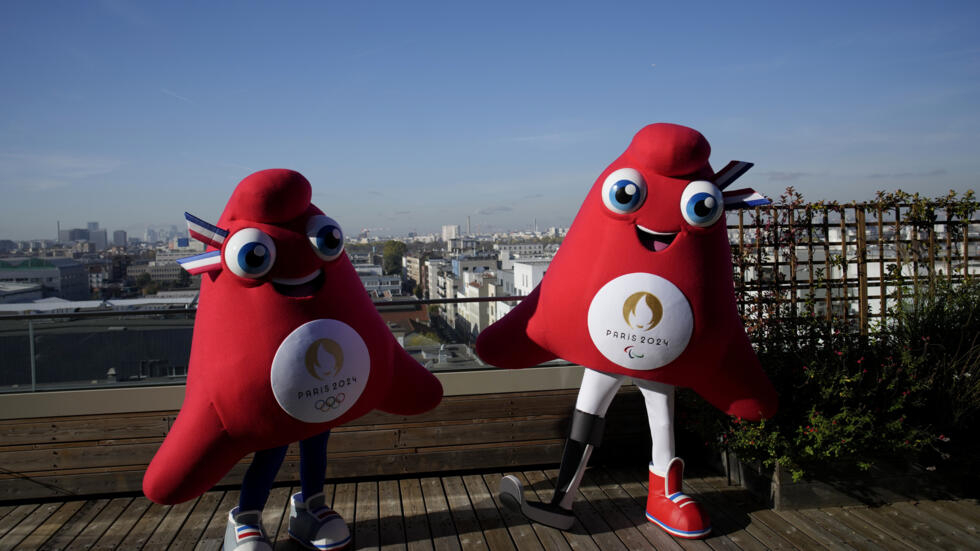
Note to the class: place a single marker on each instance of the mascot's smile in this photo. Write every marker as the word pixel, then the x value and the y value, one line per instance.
pixel 301 287
pixel 654 241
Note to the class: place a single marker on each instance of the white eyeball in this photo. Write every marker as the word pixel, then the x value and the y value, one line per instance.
pixel 702 203
pixel 326 237
pixel 250 253
pixel 624 191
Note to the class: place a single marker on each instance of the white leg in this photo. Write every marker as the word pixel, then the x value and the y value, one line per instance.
pixel 597 392
pixel 659 400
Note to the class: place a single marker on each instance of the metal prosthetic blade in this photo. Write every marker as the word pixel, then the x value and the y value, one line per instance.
pixel 512 496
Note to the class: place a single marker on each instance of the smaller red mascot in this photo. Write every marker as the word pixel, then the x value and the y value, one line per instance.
pixel 287 345
pixel 641 288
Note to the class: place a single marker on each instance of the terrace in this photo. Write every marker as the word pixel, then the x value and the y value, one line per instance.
pixel 87 397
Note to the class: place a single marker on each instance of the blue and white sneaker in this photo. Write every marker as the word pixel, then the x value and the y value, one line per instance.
pixel 244 532
pixel 315 526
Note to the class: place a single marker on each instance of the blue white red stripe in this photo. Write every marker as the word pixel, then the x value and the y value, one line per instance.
pixel 744 199
pixel 204 232
pixel 200 263
pixel 246 531
pixel 691 534
pixel 730 173
pixel 324 513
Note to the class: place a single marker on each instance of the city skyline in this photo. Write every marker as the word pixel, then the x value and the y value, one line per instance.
pixel 409 117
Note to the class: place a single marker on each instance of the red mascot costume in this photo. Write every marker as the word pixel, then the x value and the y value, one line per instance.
pixel 287 345
pixel 642 288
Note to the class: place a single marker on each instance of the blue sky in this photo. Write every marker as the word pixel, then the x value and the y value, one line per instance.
pixel 409 115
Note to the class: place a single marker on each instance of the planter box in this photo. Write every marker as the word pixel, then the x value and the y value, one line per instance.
pixel 847 485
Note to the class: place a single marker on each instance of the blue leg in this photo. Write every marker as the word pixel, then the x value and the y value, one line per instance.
pixel 313 464
pixel 259 478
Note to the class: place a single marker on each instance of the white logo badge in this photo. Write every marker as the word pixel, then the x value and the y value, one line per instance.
pixel 640 321
pixel 320 370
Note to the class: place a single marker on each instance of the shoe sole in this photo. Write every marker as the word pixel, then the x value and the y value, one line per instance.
pixel 686 534
pixel 311 545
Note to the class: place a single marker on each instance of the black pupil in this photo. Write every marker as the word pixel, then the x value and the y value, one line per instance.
pixel 622 195
pixel 254 260
pixel 329 239
pixel 701 209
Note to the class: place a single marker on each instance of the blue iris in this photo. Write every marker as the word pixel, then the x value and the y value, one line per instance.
pixel 702 208
pixel 329 240
pixel 625 195
pixel 254 258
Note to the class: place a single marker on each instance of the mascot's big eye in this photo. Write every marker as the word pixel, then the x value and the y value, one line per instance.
pixel 326 237
pixel 250 253
pixel 702 203
pixel 624 190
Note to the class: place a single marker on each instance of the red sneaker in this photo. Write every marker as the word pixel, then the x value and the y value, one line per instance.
pixel 673 510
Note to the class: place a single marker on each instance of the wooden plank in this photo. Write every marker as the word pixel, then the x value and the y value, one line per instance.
pixel 525 534
pixel 417 534
pixel 51 525
pixel 197 520
pixel 440 520
pixel 145 526
pixel 621 525
pixel 53 459
pixel 366 510
pixel 276 507
pixel 724 520
pixel 74 526
pixel 213 536
pixel 487 514
pixel 79 429
pixel 487 432
pixel 282 540
pixel 734 498
pixel 344 503
pixel 912 534
pixel 591 520
pixel 540 487
pixel 18 532
pixel 779 525
pixel 633 510
pixel 954 517
pixel 13 518
pixel 948 531
pixel 170 526
pixel 844 533
pixel 392 528
pixel 814 530
pixel 870 531
pixel 467 526
pixel 125 522
pixel 100 524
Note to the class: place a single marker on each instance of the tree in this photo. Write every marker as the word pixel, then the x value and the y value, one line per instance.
pixel 392 256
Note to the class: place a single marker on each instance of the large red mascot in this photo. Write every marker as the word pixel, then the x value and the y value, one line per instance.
pixel 642 288
pixel 287 345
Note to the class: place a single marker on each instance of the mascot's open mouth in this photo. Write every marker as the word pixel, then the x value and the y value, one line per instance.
pixel 300 287
pixel 654 241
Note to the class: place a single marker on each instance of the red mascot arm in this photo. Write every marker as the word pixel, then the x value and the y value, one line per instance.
pixel 506 344
pixel 413 388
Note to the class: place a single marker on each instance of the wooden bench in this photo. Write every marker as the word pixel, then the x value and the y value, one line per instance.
pixel 106 454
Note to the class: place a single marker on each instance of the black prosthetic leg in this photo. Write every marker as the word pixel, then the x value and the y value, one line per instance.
pixel 586 434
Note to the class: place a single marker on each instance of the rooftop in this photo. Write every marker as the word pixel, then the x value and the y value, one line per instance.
pixel 462 511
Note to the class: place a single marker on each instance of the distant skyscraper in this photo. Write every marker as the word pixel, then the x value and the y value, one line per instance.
pixel 99 238
pixel 450 232
pixel 92 226
pixel 119 238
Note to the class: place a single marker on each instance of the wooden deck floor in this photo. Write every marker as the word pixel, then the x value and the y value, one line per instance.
pixel 462 512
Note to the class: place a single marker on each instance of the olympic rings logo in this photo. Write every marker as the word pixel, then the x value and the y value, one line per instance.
pixel 330 402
